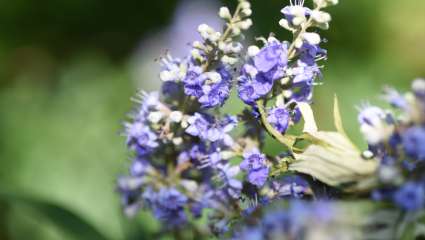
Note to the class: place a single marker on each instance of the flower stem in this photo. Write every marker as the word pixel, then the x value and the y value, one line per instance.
pixel 298 34
pixel 288 141
pixel 225 35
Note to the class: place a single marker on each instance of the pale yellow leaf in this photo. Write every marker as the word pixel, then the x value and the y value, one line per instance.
pixel 309 121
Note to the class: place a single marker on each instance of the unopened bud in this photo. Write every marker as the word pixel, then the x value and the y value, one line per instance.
pixel 176 116
pixel 253 51
pixel 224 13
pixel 312 38
pixel 245 24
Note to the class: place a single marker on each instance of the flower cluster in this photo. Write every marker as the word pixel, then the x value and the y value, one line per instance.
pixel 301 220
pixel 205 73
pixel 397 141
pixel 282 72
pixel 191 160
pixel 255 164
pixel 181 151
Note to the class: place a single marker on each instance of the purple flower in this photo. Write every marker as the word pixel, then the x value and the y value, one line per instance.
pixel 303 81
pixel 210 88
pixel 256 165
pixel 309 53
pixel 258 177
pixel 227 174
pixel 141 138
pixel 279 118
pixel 292 222
pixel 211 160
pixel 172 90
pixel 215 94
pixel 253 84
pixel 296 115
pixel 171 69
pixel 410 197
pixel 249 233
pixel 272 59
pixel 253 159
pixel 295 11
pixel 291 186
pixel 418 87
pixel 211 129
pixel 414 142
pixel 139 167
pixel 167 205
pixel 199 124
pixel 204 157
pixel 130 190
pixel 371 116
pixel 149 101
pixel 395 99
pixel 193 81
pixel 259 74
pixel 170 198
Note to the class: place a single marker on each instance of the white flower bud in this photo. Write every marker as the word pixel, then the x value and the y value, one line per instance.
pixel 214 37
pixel 229 60
pixel 176 116
pixel 205 31
pixel 189 185
pixel 227 154
pixel 177 141
pixel 325 3
pixel 203 28
pixel 299 43
pixel 299 13
pixel 280 102
pixel 287 93
pixel 155 117
pixel 312 38
pixel 167 76
pixel 223 46
pixel 245 5
pixel 389 174
pixel 418 86
pixel 373 125
pixel 197 44
pixel 297 21
pixel 285 24
pixel 245 24
pixel 224 13
pixel 247 12
pixel 184 123
pixel 236 30
pixel 251 70
pixel 253 51
pixel 321 17
pixel 236 47
pixel 285 80
pixel 214 77
pixel 196 54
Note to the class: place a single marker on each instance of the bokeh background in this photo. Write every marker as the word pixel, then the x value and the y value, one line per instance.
pixel 68 70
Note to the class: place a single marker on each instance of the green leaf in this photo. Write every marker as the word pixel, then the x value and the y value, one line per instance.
pixel 337 117
pixel 70 224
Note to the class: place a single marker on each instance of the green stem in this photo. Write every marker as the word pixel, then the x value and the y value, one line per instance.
pixel 225 35
pixel 288 141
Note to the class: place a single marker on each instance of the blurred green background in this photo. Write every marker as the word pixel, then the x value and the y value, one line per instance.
pixel 68 69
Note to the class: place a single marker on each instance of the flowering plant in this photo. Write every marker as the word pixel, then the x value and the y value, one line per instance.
pixel 194 164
